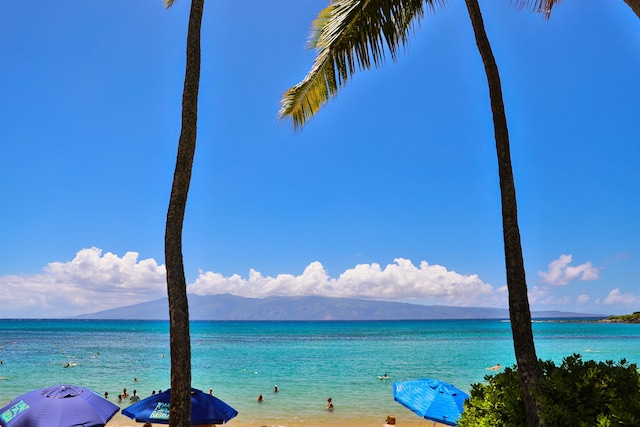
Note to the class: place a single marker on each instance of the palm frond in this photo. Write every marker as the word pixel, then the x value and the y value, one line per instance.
pixel 540 6
pixel 168 3
pixel 349 35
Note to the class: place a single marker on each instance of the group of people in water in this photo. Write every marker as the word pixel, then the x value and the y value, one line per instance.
pixel 390 421
pixel 135 397
pixel 261 399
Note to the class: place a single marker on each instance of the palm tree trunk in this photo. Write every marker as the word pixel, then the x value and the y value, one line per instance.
pixel 519 311
pixel 634 5
pixel 180 412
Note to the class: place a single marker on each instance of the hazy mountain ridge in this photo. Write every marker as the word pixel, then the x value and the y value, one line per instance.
pixel 231 307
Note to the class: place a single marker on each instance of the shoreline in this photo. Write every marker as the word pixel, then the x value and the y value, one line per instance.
pixel 404 419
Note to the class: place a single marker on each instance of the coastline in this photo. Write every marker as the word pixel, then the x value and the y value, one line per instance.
pixel 625 318
pixel 404 419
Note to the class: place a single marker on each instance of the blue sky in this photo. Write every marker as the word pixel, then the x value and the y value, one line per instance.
pixel 390 193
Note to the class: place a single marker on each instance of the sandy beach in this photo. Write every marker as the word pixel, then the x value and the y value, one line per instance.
pixel 403 419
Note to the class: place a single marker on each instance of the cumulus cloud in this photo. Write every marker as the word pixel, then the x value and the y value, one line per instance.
pixel 401 280
pixel 616 297
pixel 93 281
pixel 544 296
pixel 560 273
pixel 90 282
pixel 583 298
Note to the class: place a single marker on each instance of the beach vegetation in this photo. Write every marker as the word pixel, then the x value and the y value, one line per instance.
pixel 351 35
pixel 576 393
pixel 624 318
pixel 179 335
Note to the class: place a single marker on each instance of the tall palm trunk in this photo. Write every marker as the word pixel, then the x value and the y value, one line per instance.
pixel 180 411
pixel 519 311
pixel 634 5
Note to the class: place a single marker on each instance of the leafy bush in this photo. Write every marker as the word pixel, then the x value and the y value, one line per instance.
pixel 577 393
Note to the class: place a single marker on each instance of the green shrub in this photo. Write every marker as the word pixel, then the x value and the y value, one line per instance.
pixel 577 393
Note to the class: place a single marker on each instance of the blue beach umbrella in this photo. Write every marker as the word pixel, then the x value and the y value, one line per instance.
pixel 58 406
pixel 205 409
pixel 431 399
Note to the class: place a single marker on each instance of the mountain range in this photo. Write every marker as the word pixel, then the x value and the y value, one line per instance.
pixel 231 307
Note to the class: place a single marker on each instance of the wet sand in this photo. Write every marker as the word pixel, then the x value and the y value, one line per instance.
pixel 404 419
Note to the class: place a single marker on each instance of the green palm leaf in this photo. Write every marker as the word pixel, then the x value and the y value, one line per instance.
pixel 350 35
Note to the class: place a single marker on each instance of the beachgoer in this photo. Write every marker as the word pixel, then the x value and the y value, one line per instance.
pixel 120 398
pixel 329 405
pixel 211 391
pixel 275 389
pixel 494 367
pixel 391 421
pixel 125 393
pixel 134 397
pixel 135 379
pixel 106 394
pixel 153 392
pixel 260 398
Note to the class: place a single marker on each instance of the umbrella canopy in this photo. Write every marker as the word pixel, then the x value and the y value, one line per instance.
pixel 205 409
pixel 431 399
pixel 58 406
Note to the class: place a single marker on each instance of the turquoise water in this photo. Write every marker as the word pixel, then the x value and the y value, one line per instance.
pixel 309 361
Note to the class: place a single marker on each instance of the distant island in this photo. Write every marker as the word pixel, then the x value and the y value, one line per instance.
pixel 226 307
pixel 625 318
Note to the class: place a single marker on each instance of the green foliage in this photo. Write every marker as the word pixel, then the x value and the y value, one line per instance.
pixel 577 393
pixel 625 318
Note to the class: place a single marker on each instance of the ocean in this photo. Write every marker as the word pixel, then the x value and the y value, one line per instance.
pixel 308 361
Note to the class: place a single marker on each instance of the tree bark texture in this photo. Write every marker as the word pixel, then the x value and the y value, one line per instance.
pixel 180 410
pixel 519 311
pixel 634 5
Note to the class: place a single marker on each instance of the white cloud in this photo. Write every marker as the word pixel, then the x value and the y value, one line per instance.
pixel 93 281
pixel 88 283
pixel 401 280
pixel 583 298
pixel 616 297
pixel 561 273
pixel 536 293
pixel 544 297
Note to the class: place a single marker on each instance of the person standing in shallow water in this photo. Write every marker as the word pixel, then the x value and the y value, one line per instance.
pixel 134 398
pixel 329 405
